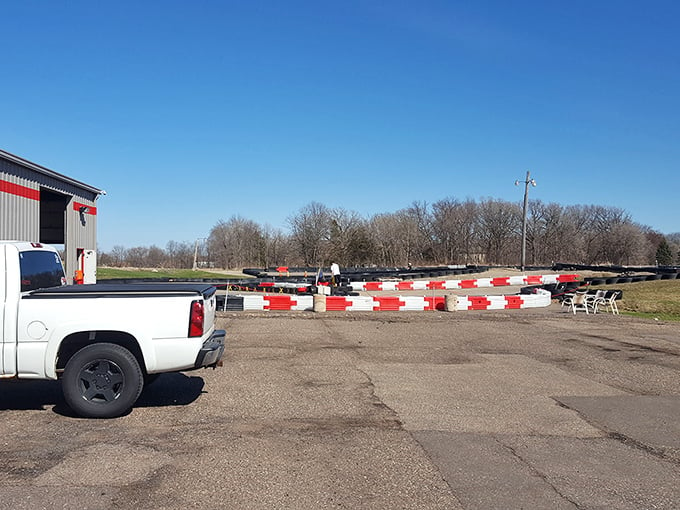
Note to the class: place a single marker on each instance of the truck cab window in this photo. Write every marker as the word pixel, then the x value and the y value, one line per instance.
pixel 40 270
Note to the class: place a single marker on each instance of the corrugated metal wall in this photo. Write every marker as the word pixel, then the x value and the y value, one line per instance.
pixel 20 210
pixel 79 235
pixel 19 213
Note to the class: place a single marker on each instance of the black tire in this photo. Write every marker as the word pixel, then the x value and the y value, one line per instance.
pixel 102 381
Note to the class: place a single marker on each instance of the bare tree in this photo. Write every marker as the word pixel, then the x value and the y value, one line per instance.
pixel 118 256
pixel 450 231
pixel 351 243
pixel 395 238
pixel 277 248
pixel 384 229
pixel 418 214
pixel 605 236
pixel 311 233
pixel 179 255
pixel 454 230
pixel 674 242
pixel 626 244
pixel 500 226
pixel 551 233
pixel 155 257
pixel 237 243
pixel 137 256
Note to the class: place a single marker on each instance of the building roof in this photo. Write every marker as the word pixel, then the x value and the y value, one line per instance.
pixel 50 173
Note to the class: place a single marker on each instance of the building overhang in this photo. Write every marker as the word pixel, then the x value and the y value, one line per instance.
pixel 50 173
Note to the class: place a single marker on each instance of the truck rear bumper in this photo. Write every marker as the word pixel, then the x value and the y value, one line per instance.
pixel 212 350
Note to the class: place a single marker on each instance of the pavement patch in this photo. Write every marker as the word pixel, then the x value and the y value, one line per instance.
pixel 601 473
pixel 104 465
pixel 502 394
pixel 484 473
pixel 648 420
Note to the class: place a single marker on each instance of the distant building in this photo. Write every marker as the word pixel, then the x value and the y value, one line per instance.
pixel 40 205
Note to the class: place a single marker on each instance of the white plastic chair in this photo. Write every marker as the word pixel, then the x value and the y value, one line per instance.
pixel 579 302
pixel 609 302
pixel 595 300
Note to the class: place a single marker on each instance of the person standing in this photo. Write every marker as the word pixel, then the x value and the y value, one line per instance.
pixel 335 274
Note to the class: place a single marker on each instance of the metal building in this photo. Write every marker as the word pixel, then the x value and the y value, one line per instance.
pixel 40 205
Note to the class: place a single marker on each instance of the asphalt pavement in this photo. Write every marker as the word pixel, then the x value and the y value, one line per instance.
pixel 506 409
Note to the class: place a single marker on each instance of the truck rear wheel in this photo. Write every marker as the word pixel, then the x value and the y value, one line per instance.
pixel 102 380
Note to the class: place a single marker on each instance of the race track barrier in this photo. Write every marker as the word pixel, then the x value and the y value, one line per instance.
pixel 277 302
pixel 541 298
pixel 463 284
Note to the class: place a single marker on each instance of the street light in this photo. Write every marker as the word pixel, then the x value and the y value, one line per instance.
pixel 528 181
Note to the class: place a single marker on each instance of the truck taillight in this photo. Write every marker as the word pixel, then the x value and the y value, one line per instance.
pixel 196 319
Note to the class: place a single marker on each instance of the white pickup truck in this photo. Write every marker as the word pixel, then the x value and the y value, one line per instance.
pixel 102 341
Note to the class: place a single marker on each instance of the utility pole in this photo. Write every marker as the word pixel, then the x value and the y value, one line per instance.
pixel 195 266
pixel 528 181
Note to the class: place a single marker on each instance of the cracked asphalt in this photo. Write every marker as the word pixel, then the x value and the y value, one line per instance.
pixel 508 409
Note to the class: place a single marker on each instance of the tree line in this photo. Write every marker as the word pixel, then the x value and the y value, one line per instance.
pixel 449 231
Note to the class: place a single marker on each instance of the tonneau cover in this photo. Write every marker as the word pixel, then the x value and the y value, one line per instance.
pixel 119 290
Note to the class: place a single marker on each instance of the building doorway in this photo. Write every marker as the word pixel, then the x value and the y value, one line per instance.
pixel 52 216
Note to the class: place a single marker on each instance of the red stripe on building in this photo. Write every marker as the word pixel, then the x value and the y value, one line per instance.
pixel 90 209
pixel 19 190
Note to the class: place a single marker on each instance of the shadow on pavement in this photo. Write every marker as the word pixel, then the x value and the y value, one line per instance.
pixel 174 389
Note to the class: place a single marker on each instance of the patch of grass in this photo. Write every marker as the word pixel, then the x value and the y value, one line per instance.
pixel 654 316
pixel 656 299
pixel 104 273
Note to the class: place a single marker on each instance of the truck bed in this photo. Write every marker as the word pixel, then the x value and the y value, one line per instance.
pixel 127 290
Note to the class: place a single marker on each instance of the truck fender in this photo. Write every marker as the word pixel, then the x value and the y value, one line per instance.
pixel 58 334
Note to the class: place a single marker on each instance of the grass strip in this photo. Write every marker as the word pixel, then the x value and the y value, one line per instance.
pixel 104 273
pixel 658 299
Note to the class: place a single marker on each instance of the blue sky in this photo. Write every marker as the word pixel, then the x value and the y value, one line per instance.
pixel 191 112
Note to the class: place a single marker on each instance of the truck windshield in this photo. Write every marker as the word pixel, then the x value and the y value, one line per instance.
pixel 40 270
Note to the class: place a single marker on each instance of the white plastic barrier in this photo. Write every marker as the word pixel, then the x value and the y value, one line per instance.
pixel 277 302
pixel 464 284
pixel 304 303
pixel 253 302
pixel 541 298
